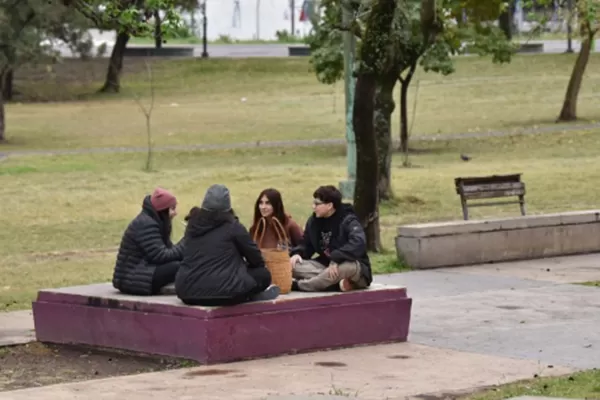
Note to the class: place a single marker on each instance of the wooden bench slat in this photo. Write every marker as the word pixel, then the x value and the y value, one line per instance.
pixel 495 203
pixel 472 180
pixel 493 187
pixel 493 194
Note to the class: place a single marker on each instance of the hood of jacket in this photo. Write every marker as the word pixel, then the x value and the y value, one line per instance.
pixel 148 209
pixel 201 222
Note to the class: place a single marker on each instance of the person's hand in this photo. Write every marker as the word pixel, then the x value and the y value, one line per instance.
pixel 295 260
pixel 334 271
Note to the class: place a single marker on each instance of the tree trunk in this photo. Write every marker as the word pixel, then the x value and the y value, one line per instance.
pixel 365 192
pixel 404 84
pixel 7 85
pixel 504 22
pixel 2 118
pixel 158 38
pixel 569 108
pixel 112 84
pixel 383 109
pixel 374 55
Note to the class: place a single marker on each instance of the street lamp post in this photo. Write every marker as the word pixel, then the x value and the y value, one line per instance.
pixel 347 187
pixel 204 33
pixel 293 17
pixel 569 29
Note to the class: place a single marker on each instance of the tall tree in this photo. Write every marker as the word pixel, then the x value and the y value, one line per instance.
pixel 373 61
pixel 588 12
pixel 27 30
pixel 426 33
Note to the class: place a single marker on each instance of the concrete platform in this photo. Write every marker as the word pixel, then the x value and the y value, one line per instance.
pixel 397 371
pixel 471 242
pixel 98 315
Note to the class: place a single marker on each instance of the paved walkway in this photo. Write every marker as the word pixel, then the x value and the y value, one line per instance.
pixel 281 49
pixel 307 143
pixel 472 327
pixel 16 328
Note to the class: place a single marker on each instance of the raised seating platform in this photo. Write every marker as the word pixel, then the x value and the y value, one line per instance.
pixel 98 315
pixel 455 243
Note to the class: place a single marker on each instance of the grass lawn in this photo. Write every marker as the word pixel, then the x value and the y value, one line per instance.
pixel 581 385
pixel 245 100
pixel 591 283
pixel 64 215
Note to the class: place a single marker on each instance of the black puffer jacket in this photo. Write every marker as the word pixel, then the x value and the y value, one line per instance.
pixel 213 264
pixel 145 244
pixel 347 240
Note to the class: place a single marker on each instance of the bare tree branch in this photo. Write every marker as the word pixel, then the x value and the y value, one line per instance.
pixel 147 111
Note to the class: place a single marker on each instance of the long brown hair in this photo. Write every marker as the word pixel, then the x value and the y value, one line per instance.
pixel 276 201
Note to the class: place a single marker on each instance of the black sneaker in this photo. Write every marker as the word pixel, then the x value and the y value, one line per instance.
pixel 270 293
pixel 295 287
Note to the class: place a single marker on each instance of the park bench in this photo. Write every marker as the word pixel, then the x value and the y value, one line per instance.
pixel 490 187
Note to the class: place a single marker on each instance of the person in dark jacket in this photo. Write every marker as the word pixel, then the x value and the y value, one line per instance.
pixel 221 263
pixel 147 259
pixel 334 233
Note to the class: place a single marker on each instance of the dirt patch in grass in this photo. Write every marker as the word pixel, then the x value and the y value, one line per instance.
pixel 36 364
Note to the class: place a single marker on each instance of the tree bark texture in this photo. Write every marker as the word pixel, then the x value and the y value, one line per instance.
pixel 569 108
pixel 2 120
pixel 367 168
pixel 112 84
pixel 374 59
pixel 404 84
pixel 7 85
pixel 158 37
pixel 2 114
pixel 384 107
pixel 504 22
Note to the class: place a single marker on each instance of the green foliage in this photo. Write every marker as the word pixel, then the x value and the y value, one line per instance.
pixel 133 16
pixel 585 12
pixel 476 11
pixel 413 41
pixel 27 29
pixel 437 58
pixel 326 43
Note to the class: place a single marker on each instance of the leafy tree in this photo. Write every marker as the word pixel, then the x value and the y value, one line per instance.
pixel 188 6
pixel 588 13
pixel 28 28
pixel 426 33
pixel 129 18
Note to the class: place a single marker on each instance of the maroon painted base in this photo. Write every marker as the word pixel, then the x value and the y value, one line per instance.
pixel 98 315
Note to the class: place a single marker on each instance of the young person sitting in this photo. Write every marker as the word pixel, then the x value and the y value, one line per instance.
pixel 147 259
pixel 221 264
pixel 269 215
pixel 334 233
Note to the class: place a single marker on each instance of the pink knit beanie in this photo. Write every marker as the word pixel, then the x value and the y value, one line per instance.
pixel 162 199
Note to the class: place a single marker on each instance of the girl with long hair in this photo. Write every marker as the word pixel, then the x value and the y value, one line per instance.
pixel 269 219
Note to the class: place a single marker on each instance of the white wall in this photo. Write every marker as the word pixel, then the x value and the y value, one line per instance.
pixel 257 19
